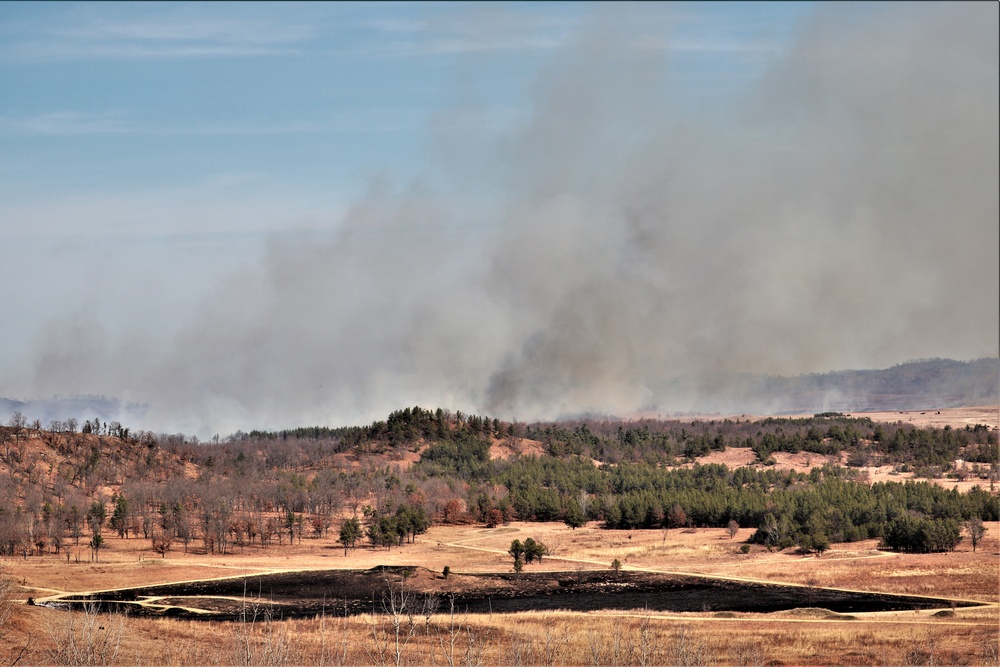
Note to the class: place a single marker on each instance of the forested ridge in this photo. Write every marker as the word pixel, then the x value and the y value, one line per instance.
pixel 260 489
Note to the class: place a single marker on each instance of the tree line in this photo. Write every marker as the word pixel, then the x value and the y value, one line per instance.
pixel 258 489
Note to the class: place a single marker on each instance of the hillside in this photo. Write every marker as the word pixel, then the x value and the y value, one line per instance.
pixel 419 466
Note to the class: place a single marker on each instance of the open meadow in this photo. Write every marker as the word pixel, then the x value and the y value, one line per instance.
pixel 950 635
pixel 681 593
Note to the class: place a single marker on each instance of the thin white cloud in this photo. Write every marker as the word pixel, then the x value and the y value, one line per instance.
pixel 223 203
pixel 67 123
pixel 79 123
pixel 184 31
pixel 499 29
pixel 196 28
pixel 396 25
pixel 459 45
pixel 98 33
pixel 473 29
pixel 142 51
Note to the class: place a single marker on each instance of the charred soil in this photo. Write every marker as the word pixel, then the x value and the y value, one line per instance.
pixel 340 592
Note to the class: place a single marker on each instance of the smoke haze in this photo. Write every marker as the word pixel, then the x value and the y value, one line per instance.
pixel 840 213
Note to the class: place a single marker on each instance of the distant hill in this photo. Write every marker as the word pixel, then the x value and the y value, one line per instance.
pixel 923 384
pixel 76 407
pixel 9 407
pixel 915 385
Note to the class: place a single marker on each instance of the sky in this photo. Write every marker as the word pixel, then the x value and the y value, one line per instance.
pixel 255 215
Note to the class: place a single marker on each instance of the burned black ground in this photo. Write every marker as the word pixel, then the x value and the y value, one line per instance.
pixel 339 592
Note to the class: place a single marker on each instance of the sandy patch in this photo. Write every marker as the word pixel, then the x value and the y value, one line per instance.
pixel 732 457
pixel 504 450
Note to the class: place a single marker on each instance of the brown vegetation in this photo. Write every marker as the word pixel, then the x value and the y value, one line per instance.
pixel 155 545
pixel 637 637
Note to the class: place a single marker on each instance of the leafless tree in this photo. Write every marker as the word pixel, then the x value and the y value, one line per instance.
pixel 989 649
pixel 162 541
pixel 258 639
pixel 686 650
pixel 450 637
pixel 748 652
pixel 595 645
pixel 399 609
pixel 6 604
pixel 475 648
pixel 6 442
pixel 17 648
pixel 553 645
pixel 400 635
pixel 976 530
pixel 520 650
pixel 217 516
pixel 14 435
pixel 647 651
pixel 17 422
pixel 378 648
pixel 87 637
pixel 616 645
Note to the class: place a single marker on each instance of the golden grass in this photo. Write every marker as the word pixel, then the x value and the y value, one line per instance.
pixel 792 638
pixel 551 638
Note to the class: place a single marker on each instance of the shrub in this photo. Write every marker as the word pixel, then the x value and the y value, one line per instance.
pixel 494 518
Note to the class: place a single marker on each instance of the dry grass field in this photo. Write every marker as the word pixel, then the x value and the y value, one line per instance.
pixel 39 634
pixel 796 637
pixel 953 417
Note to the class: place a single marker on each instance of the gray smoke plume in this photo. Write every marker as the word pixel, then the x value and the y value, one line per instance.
pixel 842 213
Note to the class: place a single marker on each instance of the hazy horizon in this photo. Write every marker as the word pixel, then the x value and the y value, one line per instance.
pixel 263 215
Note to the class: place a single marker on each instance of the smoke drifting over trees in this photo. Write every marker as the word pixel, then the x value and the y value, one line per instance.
pixel 840 213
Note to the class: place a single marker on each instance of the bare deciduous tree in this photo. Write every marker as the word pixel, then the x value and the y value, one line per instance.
pixel 162 542
pixel 976 530
pixel 748 652
pixel 686 649
pixel 453 631
pixel 399 608
pixel 6 605
pixel 87 637
pixel 258 639
pixel 17 649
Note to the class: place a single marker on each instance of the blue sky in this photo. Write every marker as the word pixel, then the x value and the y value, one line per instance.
pixel 153 155
pixel 109 109
pixel 316 97
pixel 178 137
